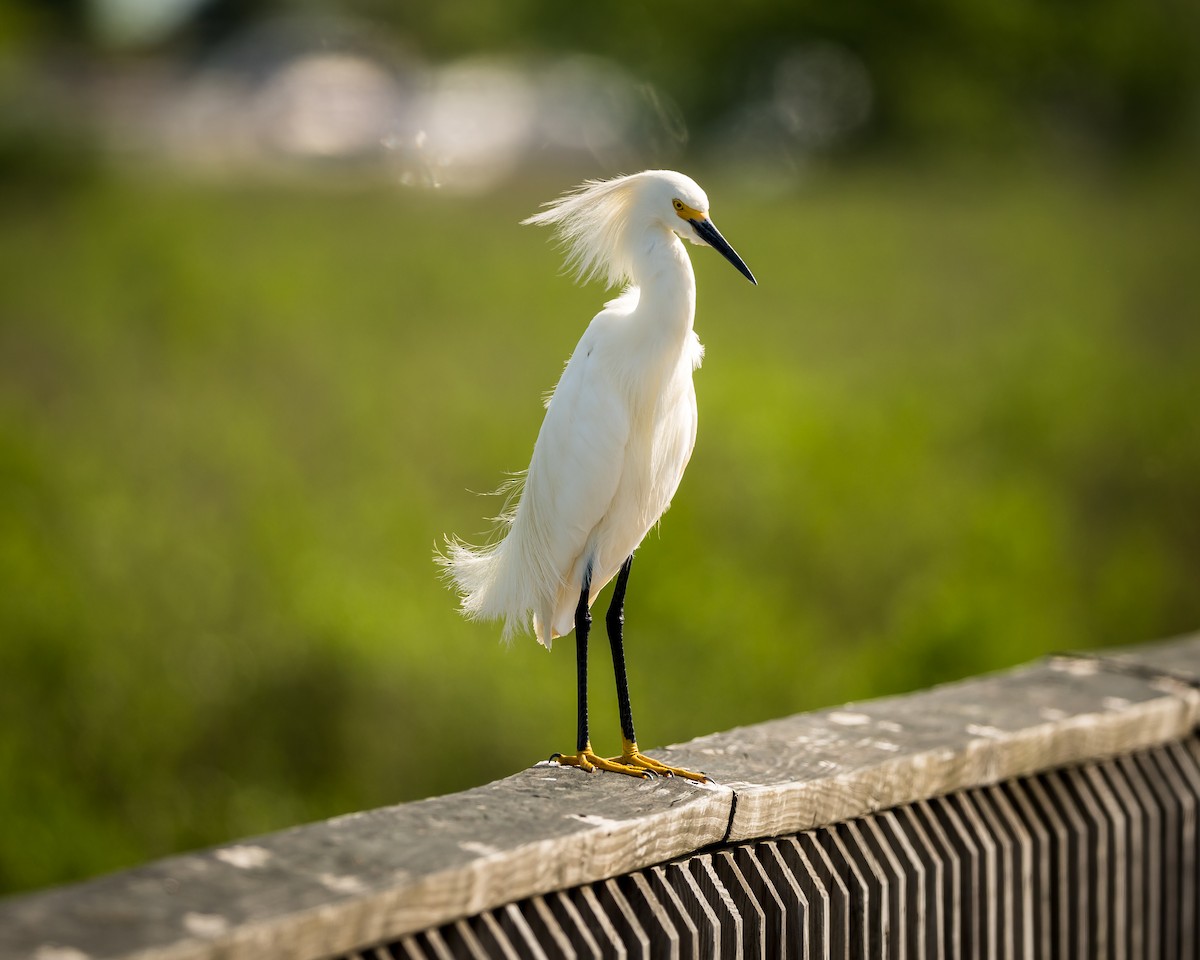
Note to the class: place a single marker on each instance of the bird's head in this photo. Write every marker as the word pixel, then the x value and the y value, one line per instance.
pixel 595 221
pixel 683 208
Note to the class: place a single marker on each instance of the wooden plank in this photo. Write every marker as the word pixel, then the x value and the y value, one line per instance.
pixel 1179 657
pixel 366 878
pixel 831 765
pixel 372 877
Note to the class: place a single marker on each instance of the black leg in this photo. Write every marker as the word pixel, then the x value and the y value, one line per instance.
pixel 583 624
pixel 615 621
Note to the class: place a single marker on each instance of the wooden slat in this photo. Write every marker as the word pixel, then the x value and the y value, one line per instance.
pixel 800 909
pixel 752 913
pixel 691 940
pixel 778 938
pixel 654 916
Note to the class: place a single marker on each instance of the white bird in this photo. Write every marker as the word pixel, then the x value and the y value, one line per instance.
pixel 618 432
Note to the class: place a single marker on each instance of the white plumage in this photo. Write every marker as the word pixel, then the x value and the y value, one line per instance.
pixel 621 424
pixel 618 432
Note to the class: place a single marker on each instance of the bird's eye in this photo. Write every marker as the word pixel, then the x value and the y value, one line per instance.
pixel 678 204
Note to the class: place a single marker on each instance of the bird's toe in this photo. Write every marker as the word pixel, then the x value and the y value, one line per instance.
pixel 584 760
pixel 633 757
pixel 589 762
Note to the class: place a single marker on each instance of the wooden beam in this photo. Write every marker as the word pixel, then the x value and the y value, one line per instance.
pixel 330 887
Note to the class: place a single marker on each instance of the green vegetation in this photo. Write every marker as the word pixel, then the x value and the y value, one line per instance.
pixel 955 428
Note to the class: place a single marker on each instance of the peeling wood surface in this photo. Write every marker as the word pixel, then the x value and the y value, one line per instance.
pixel 329 887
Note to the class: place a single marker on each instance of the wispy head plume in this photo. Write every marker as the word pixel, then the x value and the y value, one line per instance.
pixel 590 222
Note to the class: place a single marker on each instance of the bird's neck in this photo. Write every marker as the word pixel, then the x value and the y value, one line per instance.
pixel 667 285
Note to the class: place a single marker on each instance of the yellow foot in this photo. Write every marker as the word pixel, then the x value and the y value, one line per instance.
pixel 587 761
pixel 631 756
pixel 632 762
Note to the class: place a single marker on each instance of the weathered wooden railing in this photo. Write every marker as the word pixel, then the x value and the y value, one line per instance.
pixel 1050 811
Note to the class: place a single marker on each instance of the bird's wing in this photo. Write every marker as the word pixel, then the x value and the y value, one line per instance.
pixel 576 468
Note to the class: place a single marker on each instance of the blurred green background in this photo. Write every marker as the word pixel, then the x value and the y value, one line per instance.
pixel 241 400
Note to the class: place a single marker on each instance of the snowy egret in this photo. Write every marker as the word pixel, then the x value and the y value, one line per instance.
pixel 618 432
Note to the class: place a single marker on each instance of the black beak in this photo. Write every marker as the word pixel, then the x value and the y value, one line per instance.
pixel 712 236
